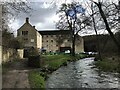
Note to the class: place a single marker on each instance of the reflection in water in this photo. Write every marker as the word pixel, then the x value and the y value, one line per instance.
pixel 81 74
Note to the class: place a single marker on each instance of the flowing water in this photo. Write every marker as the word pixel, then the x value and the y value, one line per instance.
pixel 82 74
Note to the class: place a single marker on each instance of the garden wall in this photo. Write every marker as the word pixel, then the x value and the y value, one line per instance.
pixel 9 54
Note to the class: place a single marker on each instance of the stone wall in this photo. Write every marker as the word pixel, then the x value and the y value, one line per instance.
pixel 9 54
pixel 50 42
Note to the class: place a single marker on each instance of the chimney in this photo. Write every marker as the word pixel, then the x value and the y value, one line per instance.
pixel 33 26
pixel 27 20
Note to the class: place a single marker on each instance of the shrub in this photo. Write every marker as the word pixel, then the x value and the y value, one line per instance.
pixel 34 61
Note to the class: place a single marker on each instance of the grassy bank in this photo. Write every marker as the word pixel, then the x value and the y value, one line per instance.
pixel 49 64
pixel 108 64
pixel 53 62
pixel 36 79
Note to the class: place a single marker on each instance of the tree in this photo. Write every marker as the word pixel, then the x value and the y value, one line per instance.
pixel 97 39
pixel 10 10
pixel 9 41
pixel 6 37
pixel 107 25
pixel 72 17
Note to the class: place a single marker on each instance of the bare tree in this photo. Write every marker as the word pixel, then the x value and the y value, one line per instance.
pixel 75 23
pixel 9 11
pixel 107 24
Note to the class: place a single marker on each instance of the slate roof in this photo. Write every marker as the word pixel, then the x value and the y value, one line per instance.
pixel 55 32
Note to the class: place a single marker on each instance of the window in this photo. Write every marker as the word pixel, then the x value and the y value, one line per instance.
pixel 51 40
pixel 32 40
pixel 47 40
pixel 25 39
pixel 24 32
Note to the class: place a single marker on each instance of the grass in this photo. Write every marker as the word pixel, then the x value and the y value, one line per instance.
pixel 36 80
pixel 53 62
pixel 108 65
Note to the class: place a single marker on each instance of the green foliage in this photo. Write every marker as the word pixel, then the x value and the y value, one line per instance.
pixel 36 80
pixel 14 43
pixel 55 61
pixel 33 57
pixel 6 37
pixel 8 40
pixel 33 52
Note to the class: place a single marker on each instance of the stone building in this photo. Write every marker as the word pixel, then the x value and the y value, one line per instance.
pixel 55 40
pixel 29 36
pixel 60 40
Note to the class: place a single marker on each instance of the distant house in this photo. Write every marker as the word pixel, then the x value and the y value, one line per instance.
pixel 29 36
pixel 60 40
pixel 50 41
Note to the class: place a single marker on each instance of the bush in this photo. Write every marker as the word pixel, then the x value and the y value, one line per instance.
pixel 34 61
pixel 30 52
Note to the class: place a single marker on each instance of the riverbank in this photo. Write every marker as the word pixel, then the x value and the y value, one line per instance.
pixel 82 74
pixel 109 63
pixel 50 63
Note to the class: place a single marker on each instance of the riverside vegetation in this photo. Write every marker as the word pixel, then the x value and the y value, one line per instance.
pixel 50 63
pixel 109 63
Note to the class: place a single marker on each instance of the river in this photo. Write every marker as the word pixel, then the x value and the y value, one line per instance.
pixel 82 74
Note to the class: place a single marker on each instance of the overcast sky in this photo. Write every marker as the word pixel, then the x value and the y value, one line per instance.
pixel 42 16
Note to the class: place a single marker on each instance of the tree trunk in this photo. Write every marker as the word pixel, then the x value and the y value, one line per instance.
pixel 73 36
pixel 97 39
pixel 73 43
pixel 107 25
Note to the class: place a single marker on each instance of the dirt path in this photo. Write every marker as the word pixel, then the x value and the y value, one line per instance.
pixel 16 75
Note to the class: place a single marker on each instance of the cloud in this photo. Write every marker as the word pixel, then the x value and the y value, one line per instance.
pixel 40 16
